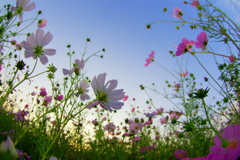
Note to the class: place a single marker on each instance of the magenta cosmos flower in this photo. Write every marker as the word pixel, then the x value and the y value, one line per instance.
pixel 184 47
pixel 180 154
pixel 202 41
pixel 107 94
pixel 22 5
pixel 177 13
pixel 232 151
pixel 150 59
pixel 34 46
pixel 78 66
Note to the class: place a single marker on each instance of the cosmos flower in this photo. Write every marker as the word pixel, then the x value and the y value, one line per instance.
pixel 202 41
pixel 231 58
pixel 184 74
pixel 34 46
pixel 195 3
pixel 180 154
pixel 22 5
pixel 150 59
pixel 79 65
pixel 82 90
pixel 184 47
pixel 42 23
pixel 177 13
pixel 135 127
pixel 125 98
pixel 110 127
pixel 232 151
pixel 20 115
pixel 107 94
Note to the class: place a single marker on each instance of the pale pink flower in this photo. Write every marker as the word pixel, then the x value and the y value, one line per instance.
pixel 34 46
pixel 79 65
pixel 184 74
pixel 177 13
pixel 125 98
pixel 110 127
pixel 160 111
pixel 195 3
pixel 135 127
pixel 107 94
pixel 22 5
pixel 163 121
pixel 184 47
pixel 150 59
pixel 82 90
pixel 42 23
pixel 202 41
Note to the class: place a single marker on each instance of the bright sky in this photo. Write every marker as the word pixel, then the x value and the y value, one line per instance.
pixel 119 27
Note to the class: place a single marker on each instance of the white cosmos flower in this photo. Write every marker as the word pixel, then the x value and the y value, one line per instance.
pixel 107 94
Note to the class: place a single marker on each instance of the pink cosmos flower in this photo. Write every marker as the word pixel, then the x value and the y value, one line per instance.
pixel 184 47
pixel 232 151
pixel 20 115
pixel 177 13
pixel 135 127
pixel 163 121
pixel 202 41
pixel 110 127
pixel 107 94
pixel 195 3
pixel 22 5
pixel 184 74
pixel 133 109
pixel 150 59
pixel 160 111
pixel 145 149
pixel 42 23
pixel 82 90
pixel 34 46
pixel 79 65
pixel 0 67
pixel 136 139
pixel 180 154
pixel 232 58
pixel 48 98
pixel 125 98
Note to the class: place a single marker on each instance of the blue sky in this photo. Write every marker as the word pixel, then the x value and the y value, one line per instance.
pixel 119 27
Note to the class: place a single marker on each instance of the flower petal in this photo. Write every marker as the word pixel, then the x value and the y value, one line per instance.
pixel 39 37
pixel 47 39
pixel 43 59
pixel 30 7
pixel 49 52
